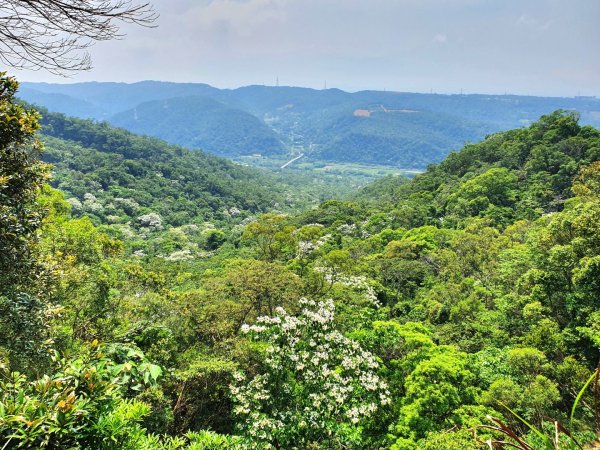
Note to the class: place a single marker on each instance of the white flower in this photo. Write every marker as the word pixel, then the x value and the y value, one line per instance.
pixel 151 220
pixel 334 378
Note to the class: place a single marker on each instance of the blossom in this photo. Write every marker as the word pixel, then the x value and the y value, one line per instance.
pixel 314 375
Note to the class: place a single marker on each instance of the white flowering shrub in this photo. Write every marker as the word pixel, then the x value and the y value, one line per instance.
pixel 317 387
pixel 358 283
pixel 181 255
pixel 88 197
pixel 128 205
pixel 151 220
pixel 305 248
pixel 76 205
pixel 90 203
pixel 347 229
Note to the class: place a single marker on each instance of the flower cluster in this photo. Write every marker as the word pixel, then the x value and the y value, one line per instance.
pixel 305 248
pixel 91 203
pixel 347 229
pixel 358 283
pixel 316 381
pixel 151 220
pixel 181 255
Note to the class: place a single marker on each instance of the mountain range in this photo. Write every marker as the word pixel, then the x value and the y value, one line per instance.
pixel 405 130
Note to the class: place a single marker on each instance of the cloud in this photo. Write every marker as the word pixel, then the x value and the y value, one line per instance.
pixel 440 39
pixel 479 45
pixel 536 24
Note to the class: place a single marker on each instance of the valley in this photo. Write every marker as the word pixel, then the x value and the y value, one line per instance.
pixel 189 295
pixel 405 131
pixel 226 260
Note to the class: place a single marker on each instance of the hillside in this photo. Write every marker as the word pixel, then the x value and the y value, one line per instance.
pixel 202 123
pixel 520 173
pixel 423 137
pixel 412 317
pixel 392 128
pixel 111 98
pixel 115 176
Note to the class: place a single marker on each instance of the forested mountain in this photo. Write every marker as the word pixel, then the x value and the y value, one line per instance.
pixel 141 186
pixel 400 129
pixel 518 174
pixel 397 138
pixel 111 98
pixel 113 175
pixel 202 123
pixel 402 320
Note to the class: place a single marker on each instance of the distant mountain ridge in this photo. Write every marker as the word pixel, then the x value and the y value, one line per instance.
pixel 399 129
pixel 215 127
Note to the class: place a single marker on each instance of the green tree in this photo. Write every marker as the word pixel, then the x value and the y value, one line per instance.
pixel 22 176
pixel 316 389
pixel 246 290
pixel 435 389
pixel 23 276
pixel 85 403
pixel 272 236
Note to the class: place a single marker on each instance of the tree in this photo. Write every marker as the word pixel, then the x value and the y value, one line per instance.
pixel 272 236
pixel 249 289
pixel 434 391
pixel 53 34
pixel 22 274
pixel 22 175
pixel 317 387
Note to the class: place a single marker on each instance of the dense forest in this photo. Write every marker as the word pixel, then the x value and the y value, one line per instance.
pixel 214 127
pixel 139 184
pixel 400 129
pixel 153 298
pixel 128 174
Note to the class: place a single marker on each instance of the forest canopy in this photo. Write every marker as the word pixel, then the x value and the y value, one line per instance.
pixel 404 318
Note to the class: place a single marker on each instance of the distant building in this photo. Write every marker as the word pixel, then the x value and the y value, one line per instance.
pixel 362 113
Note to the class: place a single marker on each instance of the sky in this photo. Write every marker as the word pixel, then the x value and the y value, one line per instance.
pixel 526 47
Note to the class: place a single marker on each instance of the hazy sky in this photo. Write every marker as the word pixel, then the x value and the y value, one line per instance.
pixel 541 47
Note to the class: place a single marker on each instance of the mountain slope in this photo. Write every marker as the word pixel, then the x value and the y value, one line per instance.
pixel 517 174
pixel 392 128
pixel 404 138
pixel 63 103
pixel 201 123
pixel 111 98
pixel 116 176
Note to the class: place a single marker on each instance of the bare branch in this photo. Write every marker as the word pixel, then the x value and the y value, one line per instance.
pixel 54 34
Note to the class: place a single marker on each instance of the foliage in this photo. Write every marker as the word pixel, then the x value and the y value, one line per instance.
pixel 22 176
pixel 24 277
pixel 117 177
pixel 473 286
pixel 317 385
pixel 83 404
pixel 212 127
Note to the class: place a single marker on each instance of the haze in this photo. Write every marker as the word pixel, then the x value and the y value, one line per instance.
pixel 537 47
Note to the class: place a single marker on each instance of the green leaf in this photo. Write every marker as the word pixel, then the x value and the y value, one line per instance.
pixel 531 427
pixel 596 374
pixel 155 371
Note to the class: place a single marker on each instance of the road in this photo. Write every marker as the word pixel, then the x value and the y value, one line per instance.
pixel 292 160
